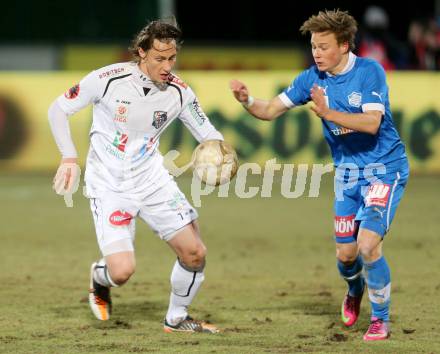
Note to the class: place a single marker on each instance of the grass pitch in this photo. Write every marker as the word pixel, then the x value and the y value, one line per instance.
pixel 271 280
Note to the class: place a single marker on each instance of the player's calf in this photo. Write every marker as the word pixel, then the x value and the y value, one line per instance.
pixel 352 274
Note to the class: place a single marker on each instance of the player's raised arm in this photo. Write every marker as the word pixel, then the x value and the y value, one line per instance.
pixel 261 109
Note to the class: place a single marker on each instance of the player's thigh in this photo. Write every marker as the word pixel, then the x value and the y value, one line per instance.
pixel 187 243
pixel 369 244
pixel 114 223
pixel 381 200
pixel 167 211
pixel 348 200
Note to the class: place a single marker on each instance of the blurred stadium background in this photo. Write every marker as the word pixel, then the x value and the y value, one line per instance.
pixel 47 46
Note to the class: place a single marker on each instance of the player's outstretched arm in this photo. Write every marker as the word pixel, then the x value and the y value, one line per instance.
pixel 261 109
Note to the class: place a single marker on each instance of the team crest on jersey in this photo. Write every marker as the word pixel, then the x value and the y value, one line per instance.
pixel 72 93
pixel 120 141
pixel 355 99
pixel 159 118
pixel 176 80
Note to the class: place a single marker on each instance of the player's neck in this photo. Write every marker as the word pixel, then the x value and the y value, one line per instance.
pixel 341 66
pixel 143 69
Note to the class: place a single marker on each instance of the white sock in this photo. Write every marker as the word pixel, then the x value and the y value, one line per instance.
pixel 184 286
pixel 101 274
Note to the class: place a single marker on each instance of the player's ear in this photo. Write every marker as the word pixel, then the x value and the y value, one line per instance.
pixel 142 53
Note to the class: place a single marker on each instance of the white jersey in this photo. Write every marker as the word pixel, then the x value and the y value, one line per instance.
pixel 129 114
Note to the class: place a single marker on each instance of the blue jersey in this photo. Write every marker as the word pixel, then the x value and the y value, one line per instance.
pixel 360 87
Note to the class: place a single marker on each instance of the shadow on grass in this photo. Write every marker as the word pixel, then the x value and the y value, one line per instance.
pixel 315 305
pixel 126 312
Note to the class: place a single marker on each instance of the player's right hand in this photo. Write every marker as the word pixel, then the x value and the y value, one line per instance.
pixel 66 180
pixel 239 90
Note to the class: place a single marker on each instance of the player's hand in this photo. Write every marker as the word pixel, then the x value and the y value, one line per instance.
pixel 66 180
pixel 318 97
pixel 239 90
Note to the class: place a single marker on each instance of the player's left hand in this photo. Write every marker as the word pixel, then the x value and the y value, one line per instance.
pixel 318 97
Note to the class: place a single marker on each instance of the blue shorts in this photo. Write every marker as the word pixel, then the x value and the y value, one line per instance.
pixel 368 204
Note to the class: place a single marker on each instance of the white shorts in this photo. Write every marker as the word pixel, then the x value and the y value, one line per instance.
pixel 166 211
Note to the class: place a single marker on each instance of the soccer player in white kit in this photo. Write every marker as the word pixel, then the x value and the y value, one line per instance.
pixel 133 103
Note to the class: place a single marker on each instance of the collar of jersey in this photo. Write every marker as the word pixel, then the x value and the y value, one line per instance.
pixel 348 66
pixel 144 80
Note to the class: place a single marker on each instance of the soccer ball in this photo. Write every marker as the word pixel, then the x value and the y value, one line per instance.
pixel 214 162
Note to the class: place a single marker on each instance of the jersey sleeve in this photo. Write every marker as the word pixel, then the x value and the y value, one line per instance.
pixel 297 93
pixel 87 91
pixel 59 125
pixel 196 120
pixel 374 90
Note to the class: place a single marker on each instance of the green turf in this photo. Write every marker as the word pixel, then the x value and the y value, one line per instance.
pixel 271 279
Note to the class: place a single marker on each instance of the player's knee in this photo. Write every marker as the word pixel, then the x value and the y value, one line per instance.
pixel 346 257
pixel 194 257
pixel 120 275
pixel 369 252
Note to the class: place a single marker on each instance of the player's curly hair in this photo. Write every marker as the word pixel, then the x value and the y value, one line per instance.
pixel 165 30
pixel 341 23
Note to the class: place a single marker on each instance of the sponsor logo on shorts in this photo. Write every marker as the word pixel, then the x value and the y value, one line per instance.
pixel 72 93
pixel 178 202
pixel 345 225
pixel 159 118
pixel 378 194
pixel 120 218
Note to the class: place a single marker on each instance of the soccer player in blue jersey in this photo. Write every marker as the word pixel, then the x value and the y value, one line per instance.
pixel 350 95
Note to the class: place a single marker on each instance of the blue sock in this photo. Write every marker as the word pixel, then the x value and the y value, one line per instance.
pixel 379 287
pixel 353 276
